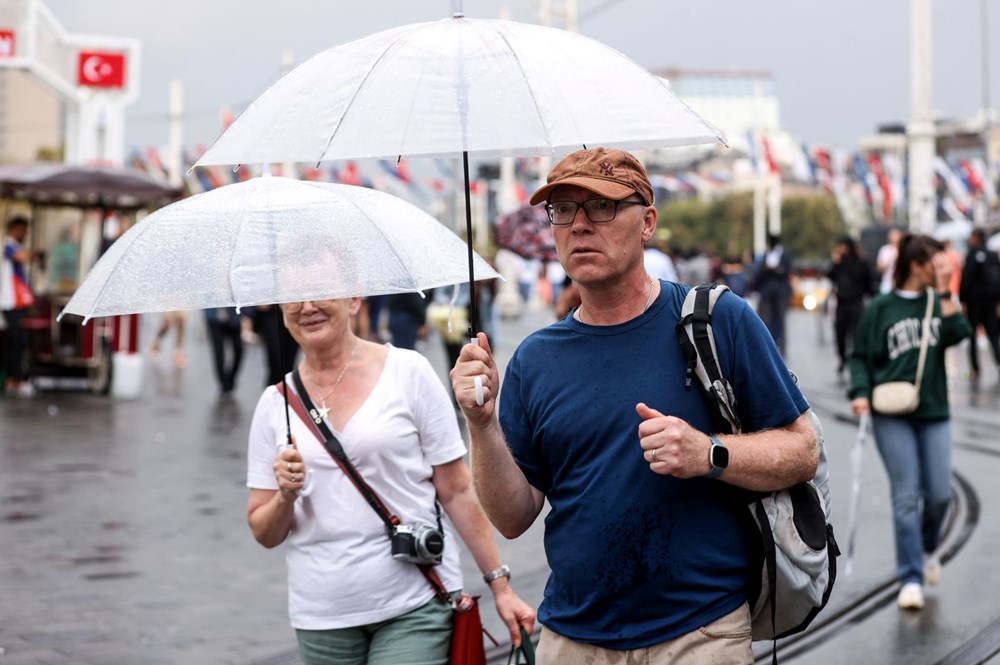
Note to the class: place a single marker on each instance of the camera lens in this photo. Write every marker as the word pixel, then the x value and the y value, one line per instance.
pixel 433 543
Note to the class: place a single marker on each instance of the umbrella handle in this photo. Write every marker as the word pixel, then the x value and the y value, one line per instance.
pixel 307 486
pixel 478 381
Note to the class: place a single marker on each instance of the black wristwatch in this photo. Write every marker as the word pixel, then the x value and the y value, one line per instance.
pixel 718 457
pixel 944 295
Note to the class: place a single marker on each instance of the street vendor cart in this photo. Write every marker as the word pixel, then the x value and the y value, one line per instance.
pixel 74 213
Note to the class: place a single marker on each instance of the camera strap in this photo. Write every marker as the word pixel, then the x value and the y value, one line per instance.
pixel 299 400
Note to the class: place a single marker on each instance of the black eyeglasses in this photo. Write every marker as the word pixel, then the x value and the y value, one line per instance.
pixel 596 210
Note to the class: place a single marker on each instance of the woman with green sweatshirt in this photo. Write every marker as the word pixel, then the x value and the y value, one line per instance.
pixel 916 447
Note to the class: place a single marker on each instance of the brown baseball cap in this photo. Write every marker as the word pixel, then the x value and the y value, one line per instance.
pixel 614 174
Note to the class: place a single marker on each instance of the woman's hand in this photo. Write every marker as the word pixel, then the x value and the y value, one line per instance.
pixel 290 470
pixel 861 406
pixel 514 612
pixel 942 271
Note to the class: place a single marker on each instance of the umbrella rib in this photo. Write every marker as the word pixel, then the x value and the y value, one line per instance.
pixel 357 91
pixel 527 82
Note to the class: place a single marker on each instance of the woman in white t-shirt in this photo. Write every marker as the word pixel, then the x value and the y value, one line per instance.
pixel 349 600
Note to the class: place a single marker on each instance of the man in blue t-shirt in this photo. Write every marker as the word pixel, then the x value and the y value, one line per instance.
pixel 646 536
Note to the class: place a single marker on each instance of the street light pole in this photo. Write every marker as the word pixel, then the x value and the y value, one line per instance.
pixel 920 129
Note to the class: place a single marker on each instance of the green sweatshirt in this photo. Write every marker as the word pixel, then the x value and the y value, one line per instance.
pixel 887 348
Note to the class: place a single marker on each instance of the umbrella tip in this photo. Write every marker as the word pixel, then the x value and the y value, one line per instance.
pixel 457 7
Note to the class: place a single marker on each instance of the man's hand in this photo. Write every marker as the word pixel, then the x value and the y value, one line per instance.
pixel 671 445
pixel 514 612
pixel 476 361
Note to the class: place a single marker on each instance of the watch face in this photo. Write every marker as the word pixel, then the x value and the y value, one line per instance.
pixel 720 457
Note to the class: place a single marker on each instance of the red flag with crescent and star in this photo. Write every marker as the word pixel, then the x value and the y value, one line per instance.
pixel 101 69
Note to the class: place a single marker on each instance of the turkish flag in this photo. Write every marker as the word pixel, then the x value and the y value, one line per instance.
pixel 101 70
pixel 7 43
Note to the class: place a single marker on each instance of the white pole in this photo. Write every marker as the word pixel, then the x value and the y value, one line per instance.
pixel 920 129
pixel 759 216
pixel 175 169
pixel 774 201
pixel 288 169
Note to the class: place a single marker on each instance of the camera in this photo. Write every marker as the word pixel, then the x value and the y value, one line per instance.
pixel 417 543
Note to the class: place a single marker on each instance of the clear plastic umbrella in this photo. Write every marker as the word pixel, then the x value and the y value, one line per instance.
pixel 857 476
pixel 460 86
pixel 442 88
pixel 273 240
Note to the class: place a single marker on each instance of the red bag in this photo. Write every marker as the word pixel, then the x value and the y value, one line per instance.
pixel 467 636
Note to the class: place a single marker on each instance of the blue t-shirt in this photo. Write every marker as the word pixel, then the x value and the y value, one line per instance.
pixel 636 558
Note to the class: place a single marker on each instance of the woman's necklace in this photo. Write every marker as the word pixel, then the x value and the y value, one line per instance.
pixel 324 410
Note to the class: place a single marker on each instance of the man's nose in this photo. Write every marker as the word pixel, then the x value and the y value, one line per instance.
pixel 580 216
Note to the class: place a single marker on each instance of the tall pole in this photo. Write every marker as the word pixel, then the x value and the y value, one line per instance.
pixel 920 129
pixel 987 109
pixel 288 169
pixel 175 170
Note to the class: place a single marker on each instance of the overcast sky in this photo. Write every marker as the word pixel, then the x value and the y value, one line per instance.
pixel 841 67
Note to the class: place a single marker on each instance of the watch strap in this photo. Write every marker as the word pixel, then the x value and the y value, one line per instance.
pixel 715 471
pixel 493 575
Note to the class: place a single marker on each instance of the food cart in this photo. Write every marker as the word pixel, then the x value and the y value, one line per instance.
pixel 74 213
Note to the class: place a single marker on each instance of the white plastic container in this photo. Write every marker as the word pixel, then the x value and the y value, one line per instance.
pixel 126 375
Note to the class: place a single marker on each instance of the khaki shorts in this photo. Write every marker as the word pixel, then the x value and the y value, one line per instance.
pixel 724 641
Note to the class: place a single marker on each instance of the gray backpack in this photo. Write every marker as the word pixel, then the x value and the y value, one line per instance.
pixel 797 550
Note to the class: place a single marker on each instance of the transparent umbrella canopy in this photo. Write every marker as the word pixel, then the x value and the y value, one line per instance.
pixel 273 240
pixel 443 88
pixel 456 87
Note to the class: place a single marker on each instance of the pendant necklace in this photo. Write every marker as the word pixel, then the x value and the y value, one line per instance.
pixel 324 410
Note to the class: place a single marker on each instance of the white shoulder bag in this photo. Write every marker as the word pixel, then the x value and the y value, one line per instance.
pixel 897 398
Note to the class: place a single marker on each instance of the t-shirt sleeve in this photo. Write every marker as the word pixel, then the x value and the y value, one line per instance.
pixel 767 395
pixel 263 442
pixel 516 425
pixel 436 422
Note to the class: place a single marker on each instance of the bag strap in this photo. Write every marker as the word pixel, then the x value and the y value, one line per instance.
pixel 697 341
pixel 925 336
pixel 299 400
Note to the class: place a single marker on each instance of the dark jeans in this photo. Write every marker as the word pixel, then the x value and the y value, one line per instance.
pixel 225 334
pixel 404 328
pixel 15 342
pixel 983 312
pixel 772 307
pixel 279 345
pixel 848 315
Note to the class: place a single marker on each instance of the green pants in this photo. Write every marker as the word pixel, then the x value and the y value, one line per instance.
pixel 420 637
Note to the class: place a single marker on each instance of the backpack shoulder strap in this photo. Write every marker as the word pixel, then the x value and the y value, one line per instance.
pixel 697 340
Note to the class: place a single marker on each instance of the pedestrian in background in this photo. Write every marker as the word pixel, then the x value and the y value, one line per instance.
pixel 280 348
pixel 885 260
pixel 915 447
pixel 175 321
pixel 594 418
pixel 407 318
pixel 853 283
pixel 772 282
pixel 980 295
pixel 349 599
pixel 225 334
pixel 15 299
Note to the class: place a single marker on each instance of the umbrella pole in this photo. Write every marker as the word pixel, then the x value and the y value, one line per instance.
pixel 473 307
pixel 284 385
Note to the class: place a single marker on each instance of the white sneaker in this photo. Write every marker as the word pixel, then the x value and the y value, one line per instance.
pixel 932 569
pixel 911 597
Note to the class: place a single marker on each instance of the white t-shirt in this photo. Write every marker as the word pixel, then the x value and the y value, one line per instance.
pixel 340 569
pixel 659 265
pixel 886 262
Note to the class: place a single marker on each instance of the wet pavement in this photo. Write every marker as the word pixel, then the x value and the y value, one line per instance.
pixel 123 536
